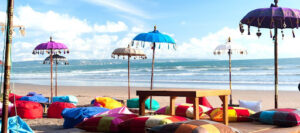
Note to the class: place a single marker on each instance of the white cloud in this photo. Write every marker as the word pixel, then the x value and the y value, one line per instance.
pixel 121 6
pixel 111 27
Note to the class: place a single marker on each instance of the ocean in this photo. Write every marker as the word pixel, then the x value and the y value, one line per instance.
pixel 255 74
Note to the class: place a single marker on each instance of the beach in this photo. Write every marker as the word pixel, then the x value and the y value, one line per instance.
pixel 85 94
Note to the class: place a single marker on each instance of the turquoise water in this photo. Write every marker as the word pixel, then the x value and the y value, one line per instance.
pixel 171 73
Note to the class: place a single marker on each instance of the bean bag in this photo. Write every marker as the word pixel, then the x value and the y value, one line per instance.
pixel 235 114
pixel 73 116
pixel 139 124
pixel 28 110
pixel 104 123
pixel 202 101
pixel 66 99
pixel 10 107
pixel 121 110
pixel 55 109
pixel 194 126
pixel 17 125
pixel 35 98
pixel 33 94
pixel 13 96
pixel 107 102
pixel 285 117
pixel 185 110
pixel 134 103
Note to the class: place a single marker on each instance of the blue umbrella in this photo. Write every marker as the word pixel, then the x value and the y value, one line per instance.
pixel 154 37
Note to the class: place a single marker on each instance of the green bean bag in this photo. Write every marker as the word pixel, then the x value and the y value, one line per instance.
pixel 134 103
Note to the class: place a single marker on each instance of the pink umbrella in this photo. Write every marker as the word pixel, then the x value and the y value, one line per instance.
pixel 51 48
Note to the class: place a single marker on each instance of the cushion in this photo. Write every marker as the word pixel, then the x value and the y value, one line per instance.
pixel 185 110
pixel 17 125
pixel 66 99
pixel 235 114
pixel 104 123
pixel 121 110
pixel 55 109
pixel 134 103
pixel 28 110
pixel 35 98
pixel 202 101
pixel 194 126
pixel 253 105
pixel 107 102
pixel 73 116
pixel 139 124
pixel 281 117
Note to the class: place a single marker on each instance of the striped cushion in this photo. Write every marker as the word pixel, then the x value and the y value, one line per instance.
pixel 185 110
pixel 235 114
pixel 139 124
pixel 104 123
pixel 280 117
pixel 193 126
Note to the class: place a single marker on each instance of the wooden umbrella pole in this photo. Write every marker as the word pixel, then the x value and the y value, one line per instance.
pixel 128 76
pixel 51 75
pixel 56 77
pixel 229 54
pixel 6 86
pixel 276 67
pixel 276 61
pixel 153 57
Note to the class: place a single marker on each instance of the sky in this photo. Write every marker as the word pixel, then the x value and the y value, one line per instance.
pixel 92 29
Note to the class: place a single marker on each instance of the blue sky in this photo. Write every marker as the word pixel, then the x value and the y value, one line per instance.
pixel 92 29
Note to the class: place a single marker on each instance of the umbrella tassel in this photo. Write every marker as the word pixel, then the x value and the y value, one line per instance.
pixel 293 33
pixel 168 46
pixel 282 34
pixel 174 47
pixel 248 29
pixel 159 46
pixel 271 35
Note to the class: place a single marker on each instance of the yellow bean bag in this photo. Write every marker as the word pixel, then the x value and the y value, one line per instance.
pixel 107 102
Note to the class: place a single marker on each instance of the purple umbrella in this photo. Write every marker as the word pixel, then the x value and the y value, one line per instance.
pixel 272 18
pixel 51 48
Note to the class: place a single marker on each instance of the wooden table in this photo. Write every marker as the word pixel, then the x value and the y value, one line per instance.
pixel 192 94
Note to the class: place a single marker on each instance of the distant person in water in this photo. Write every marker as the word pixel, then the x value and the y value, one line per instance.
pixel 299 86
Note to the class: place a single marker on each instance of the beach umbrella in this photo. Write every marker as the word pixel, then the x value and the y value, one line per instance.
pixel 229 49
pixel 155 38
pixel 57 59
pixel 129 52
pixel 51 48
pixel 272 18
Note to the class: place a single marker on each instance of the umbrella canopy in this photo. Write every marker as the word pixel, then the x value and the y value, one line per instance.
pixel 153 37
pixel 56 58
pixel 273 18
pixel 229 49
pixel 51 48
pixel 129 52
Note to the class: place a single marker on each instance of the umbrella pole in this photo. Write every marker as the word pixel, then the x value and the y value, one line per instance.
pixel 153 57
pixel 6 86
pixel 229 54
pixel 276 66
pixel 128 76
pixel 51 75
pixel 56 78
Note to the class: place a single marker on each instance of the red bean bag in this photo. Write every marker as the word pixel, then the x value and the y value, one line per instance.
pixel 55 109
pixel 13 96
pixel 202 101
pixel 28 110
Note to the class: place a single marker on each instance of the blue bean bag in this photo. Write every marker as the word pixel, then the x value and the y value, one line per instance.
pixel 73 116
pixel 17 125
pixel 35 98
pixel 66 99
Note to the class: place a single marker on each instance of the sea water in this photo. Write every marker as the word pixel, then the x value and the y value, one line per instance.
pixel 255 74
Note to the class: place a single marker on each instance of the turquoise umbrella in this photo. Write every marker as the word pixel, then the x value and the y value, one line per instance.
pixel 154 37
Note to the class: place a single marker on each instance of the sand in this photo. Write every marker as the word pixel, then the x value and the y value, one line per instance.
pixel 86 93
